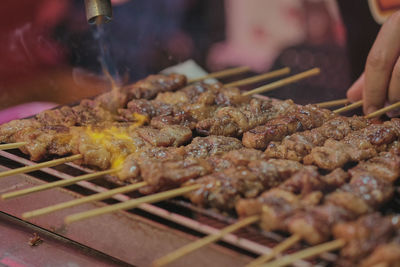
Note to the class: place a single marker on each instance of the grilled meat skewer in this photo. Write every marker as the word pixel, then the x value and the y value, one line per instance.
pixel 298 145
pixel 356 146
pixel 300 118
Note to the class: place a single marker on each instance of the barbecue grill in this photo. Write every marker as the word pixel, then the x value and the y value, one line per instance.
pixel 136 237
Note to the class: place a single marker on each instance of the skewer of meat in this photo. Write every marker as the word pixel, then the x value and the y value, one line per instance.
pixel 128 167
pixel 298 145
pixel 301 118
pixel 356 146
pixel 93 112
pixel 368 235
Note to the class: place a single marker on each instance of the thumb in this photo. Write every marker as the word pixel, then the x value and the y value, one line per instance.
pixel 355 92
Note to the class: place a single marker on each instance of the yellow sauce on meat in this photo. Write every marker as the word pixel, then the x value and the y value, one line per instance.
pixel 117 140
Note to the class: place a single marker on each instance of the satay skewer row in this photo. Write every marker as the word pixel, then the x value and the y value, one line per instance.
pixel 333 103
pixel 207 240
pixel 358 240
pixel 246 81
pixel 212 146
pixel 363 170
pixel 23 192
pixel 22 144
pixel 167 259
pixel 280 248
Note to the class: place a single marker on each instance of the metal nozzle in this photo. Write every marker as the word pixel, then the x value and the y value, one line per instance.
pixel 98 11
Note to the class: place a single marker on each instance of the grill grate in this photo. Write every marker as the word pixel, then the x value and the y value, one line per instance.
pixel 178 214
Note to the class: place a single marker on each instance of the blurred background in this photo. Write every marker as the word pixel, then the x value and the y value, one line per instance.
pixel 49 54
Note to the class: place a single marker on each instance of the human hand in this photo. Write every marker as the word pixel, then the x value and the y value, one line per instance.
pixel 380 82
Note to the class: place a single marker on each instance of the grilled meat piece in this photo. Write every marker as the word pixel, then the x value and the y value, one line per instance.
pixel 359 145
pixel 304 189
pixel 161 175
pixel 385 255
pixel 171 135
pixel 223 189
pixel 298 145
pixel 9 130
pixel 44 141
pixel 300 119
pixel 364 235
pixel 234 121
pixel 202 156
pixel 154 84
pixel 365 193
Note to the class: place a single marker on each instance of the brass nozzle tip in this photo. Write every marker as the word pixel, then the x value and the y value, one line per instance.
pixel 98 11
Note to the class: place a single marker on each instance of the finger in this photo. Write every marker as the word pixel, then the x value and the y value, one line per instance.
pixel 394 85
pixel 355 91
pixel 380 63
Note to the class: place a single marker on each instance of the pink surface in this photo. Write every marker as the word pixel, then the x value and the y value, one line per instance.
pixel 24 110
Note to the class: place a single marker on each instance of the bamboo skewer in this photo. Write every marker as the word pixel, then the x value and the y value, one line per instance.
pixel 61 183
pixel 307 253
pixel 333 103
pixel 382 111
pixel 204 241
pixel 221 74
pixel 259 78
pixel 131 203
pixel 349 107
pixel 12 145
pixel 39 166
pixel 79 201
pixel 287 243
pixel 283 82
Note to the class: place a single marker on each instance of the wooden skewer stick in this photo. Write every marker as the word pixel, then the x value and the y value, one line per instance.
pixel 382 111
pixel 39 166
pixel 79 201
pixel 287 243
pixel 259 78
pixel 12 145
pixel 283 82
pixel 61 183
pixel 204 241
pixel 307 253
pixel 333 103
pixel 221 74
pixel 131 203
pixel 349 107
